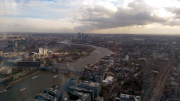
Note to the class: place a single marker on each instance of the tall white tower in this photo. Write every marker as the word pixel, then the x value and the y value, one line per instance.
pixel 41 51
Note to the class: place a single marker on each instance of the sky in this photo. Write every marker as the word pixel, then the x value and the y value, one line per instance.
pixel 91 16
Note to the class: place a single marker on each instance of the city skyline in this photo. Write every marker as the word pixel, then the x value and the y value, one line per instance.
pixel 95 16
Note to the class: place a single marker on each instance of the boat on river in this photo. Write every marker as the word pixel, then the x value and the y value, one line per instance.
pixel 34 77
pixel 22 89
pixel 3 90
pixel 54 76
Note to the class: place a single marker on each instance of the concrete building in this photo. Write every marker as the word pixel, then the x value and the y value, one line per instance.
pixel 127 58
pixel 90 86
pixel 90 92
pixel 13 61
pixel 99 98
pixel 76 96
pixel 41 51
pixel 6 70
pixel 45 51
pixel 108 81
pixel 52 91
pixel 126 97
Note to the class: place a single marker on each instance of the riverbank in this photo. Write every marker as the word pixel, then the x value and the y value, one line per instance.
pixel 95 55
pixel 45 79
pixel 19 79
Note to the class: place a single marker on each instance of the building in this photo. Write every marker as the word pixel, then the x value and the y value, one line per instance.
pixel 76 96
pixel 28 63
pixel 99 98
pixel 77 90
pixel 13 61
pixel 45 51
pixel 50 94
pixel 90 92
pixel 90 86
pixel 41 51
pixel 127 58
pixel 126 97
pixel 52 91
pixel 108 81
pixel 6 70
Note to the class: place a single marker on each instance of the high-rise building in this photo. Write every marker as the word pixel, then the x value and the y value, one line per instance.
pixel 41 51
pixel 45 51
pixel 91 86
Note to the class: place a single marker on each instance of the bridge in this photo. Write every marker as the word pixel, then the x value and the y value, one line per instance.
pixel 66 68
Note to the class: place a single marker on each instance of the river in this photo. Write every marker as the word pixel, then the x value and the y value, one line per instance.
pixel 45 79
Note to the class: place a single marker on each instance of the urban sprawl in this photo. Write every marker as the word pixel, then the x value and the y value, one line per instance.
pixel 140 68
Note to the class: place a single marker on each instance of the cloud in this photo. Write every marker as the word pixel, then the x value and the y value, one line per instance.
pixel 35 25
pixel 87 15
pixel 175 11
pixel 98 17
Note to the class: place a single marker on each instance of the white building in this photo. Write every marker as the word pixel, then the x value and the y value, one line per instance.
pixel 108 81
pixel 41 51
pixel 6 70
pixel 45 51
pixel 126 97
pixel 127 58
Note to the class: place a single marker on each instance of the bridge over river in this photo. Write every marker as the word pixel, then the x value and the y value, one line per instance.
pixel 45 79
pixel 66 68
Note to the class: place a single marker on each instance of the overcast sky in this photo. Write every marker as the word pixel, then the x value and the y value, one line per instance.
pixel 91 16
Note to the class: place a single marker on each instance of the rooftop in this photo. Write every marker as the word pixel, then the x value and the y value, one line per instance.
pixel 88 83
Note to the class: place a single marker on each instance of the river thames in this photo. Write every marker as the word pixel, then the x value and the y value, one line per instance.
pixel 45 79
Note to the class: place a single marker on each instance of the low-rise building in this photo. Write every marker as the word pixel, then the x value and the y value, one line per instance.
pixel 126 97
pixel 76 96
pixel 6 70
pixel 108 81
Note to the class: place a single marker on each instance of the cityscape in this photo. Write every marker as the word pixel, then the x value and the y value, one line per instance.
pixel 89 50
pixel 86 67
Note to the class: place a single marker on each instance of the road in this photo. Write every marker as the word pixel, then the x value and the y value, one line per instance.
pixel 160 82
pixel 110 92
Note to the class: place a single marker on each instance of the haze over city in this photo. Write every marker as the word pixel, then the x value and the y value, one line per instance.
pixel 91 16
